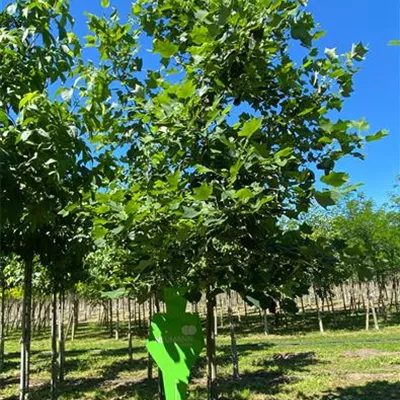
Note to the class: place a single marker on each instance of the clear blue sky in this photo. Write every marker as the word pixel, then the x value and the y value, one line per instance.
pixel 377 85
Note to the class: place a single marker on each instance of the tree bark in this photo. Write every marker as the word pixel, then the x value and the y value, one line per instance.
pixel 320 323
pixel 26 329
pixel 111 318
pixel 61 337
pixel 54 353
pixel 160 384
pixel 2 321
pixel 371 304
pixel 343 297
pixel 265 317
pixel 117 321
pixel 130 341
pixel 235 361
pixel 211 349
pixel 75 317
pixel 149 359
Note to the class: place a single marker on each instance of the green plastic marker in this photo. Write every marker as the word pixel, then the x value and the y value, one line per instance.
pixel 175 342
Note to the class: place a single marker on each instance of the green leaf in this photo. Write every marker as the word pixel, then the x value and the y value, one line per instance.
pixel 234 170
pixel 190 212
pixel 203 192
pixel 173 179
pixel 324 198
pixel 105 3
pixel 251 127
pixel 201 169
pixel 286 152
pixel 358 51
pixel 104 208
pixel 394 43
pixel 379 135
pixel 201 14
pixel 335 179
pixel 28 98
pixel 360 125
pixel 187 90
pixel 244 194
pixel 4 118
pixel 165 48
pixel 200 35
pixel 331 54
pixel 99 232
pixel 115 294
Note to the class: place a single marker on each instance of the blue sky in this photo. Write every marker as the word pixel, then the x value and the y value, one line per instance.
pixel 377 85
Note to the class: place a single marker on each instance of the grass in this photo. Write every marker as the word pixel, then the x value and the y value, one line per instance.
pixel 294 362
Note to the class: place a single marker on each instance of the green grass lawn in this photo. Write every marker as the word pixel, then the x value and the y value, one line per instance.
pixel 345 363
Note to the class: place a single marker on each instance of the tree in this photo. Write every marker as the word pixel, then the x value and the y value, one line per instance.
pixel 220 139
pixel 43 155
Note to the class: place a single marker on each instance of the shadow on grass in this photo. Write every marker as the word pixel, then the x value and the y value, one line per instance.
pixel 307 322
pixel 380 390
pixel 275 373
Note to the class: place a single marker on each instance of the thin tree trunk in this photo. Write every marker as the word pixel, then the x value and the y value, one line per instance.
pixel 111 318
pixel 117 321
pixel 160 385
pixel 130 341
pixel 2 322
pixel 211 349
pixel 265 317
pixel 343 297
pixel 371 304
pixel 54 353
pixel 61 337
pixel 320 323
pixel 149 359
pixel 367 315
pixel 303 310
pixel 26 329
pixel 235 361
pixel 221 312
pixel 75 320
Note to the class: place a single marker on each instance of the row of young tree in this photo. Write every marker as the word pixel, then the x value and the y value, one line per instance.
pixel 194 169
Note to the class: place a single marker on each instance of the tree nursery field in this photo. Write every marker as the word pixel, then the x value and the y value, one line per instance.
pixel 163 154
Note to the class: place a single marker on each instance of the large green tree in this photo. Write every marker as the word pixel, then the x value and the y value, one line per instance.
pixel 42 153
pixel 221 134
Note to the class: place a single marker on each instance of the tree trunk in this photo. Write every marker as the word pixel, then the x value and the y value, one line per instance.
pixel 320 323
pixel 343 297
pixel 367 315
pixel 303 310
pixel 235 361
pixel 130 346
pixel 54 353
pixel 117 321
pixel 372 305
pixel 396 298
pixel 75 317
pixel 160 385
pixel 221 312
pixel 2 323
pixel 61 337
pixel 149 359
pixel 211 349
pixel 265 317
pixel 111 326
pixel 26 329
